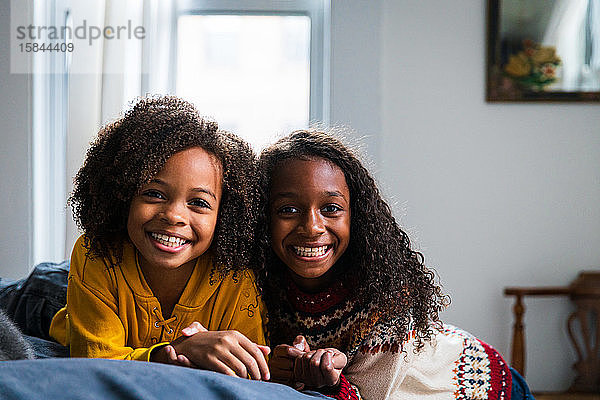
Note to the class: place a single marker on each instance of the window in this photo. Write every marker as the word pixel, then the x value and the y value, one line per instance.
pixel 258 68
pixel 49 143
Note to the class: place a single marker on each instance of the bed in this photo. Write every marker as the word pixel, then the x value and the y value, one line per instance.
pixel 33 301
pixel 78 378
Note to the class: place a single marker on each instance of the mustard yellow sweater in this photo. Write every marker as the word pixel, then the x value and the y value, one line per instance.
pixel 112 313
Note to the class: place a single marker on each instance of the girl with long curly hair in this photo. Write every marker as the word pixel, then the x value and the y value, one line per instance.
pixel 355 304
pixel 167 204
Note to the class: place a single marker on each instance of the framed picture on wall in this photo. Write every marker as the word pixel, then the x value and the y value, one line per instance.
pixel 543 50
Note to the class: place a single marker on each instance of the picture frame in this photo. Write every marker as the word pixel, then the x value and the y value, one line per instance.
pixel 524 62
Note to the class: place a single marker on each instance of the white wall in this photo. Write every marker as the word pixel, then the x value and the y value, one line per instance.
pixel 15 198
pixel 493 194
pixel 355 70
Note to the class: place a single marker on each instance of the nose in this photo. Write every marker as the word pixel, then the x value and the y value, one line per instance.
pixel 313 223
pixel 174 213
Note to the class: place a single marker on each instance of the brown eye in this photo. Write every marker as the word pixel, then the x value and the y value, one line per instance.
pixel 200 203
pixel 288 210
pixel 331 208
pixel 153 194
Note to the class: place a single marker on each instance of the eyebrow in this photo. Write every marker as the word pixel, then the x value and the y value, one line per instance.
pixel 198 189
pixel 335 193
pixel 285 194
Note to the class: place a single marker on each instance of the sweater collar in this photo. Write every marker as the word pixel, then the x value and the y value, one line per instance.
pixel 314 303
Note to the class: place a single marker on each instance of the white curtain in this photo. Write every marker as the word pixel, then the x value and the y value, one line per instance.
pixel 109 74
pixel 566 32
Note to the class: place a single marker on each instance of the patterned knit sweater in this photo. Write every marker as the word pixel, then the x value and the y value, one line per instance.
pixel 453 365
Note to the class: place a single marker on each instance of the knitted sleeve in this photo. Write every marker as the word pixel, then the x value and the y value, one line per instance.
pixel 500 376
pixel 344 391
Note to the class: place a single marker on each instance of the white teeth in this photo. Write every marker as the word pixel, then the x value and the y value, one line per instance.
pixel 166 240
pixel 310 251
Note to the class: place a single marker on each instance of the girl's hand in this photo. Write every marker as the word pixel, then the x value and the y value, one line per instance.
pixel 297 365
pixel 228 352
pixel 175 359
pixel 319 368
pixel 168 355
pixel 192 329
pixel 282 362
pixel 196 327
pixel 180 359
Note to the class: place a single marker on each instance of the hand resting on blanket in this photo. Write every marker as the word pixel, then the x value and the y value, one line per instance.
pixel 302 367
pixel 228 352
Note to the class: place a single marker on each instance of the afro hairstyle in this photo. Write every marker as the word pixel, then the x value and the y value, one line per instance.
pixel 126 155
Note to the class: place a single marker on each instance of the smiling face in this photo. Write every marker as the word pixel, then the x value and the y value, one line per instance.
pixel 172 219
pixel 310 218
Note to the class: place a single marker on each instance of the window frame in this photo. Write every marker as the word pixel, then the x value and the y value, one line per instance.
pixel 50 112
pixel 317 10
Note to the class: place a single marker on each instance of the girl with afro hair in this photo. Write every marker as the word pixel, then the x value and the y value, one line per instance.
pixel 355 306
pixel 167 204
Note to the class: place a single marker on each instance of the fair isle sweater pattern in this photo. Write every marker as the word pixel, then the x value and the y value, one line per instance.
pixel 331 319
pixel 481 372
pixel 326 319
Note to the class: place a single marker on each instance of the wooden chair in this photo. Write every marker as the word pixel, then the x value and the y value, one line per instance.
pixel 584 331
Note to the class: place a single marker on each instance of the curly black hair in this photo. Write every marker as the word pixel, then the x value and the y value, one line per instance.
pixel 389 275
pixel 130 151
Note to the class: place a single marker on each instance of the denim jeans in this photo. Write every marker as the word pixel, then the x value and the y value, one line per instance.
pixel 519 390
pixel 32 302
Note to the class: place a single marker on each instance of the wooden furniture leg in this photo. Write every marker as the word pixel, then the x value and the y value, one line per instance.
pixel 518 340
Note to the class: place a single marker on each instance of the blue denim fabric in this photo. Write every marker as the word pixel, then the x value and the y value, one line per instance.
pixel 78 378
pixel 520 390
pixel 32 302
pixel 46 349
